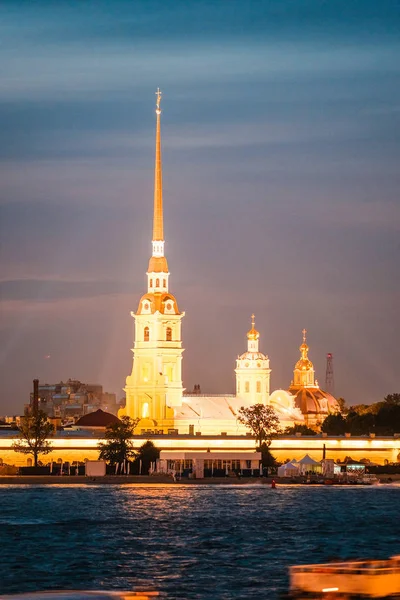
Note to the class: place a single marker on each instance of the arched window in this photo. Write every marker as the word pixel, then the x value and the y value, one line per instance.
pixel 246 387
pixel 145 410
pixel 258 387
pixel 164 283
pixel 146 334
pixel 151 283
pixel 169 334
pixel 157 283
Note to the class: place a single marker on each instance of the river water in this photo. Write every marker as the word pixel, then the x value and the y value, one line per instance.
pixel 203 541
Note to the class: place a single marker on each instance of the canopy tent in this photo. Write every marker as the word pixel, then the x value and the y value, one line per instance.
pixel 309 464
pixel 290 469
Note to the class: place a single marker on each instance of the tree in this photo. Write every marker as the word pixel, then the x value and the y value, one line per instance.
pixel 360 424
pixel 342 405
pixel 392 399
pixel 303 429
pixel 34 429
pixel 118 445
pixel 334 425
pixel 261 420
pixel 148 454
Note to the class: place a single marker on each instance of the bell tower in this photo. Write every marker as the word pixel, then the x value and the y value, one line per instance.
pixel 252 370
pixel 155 384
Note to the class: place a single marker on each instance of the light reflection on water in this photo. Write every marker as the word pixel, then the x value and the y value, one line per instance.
pixel 187 541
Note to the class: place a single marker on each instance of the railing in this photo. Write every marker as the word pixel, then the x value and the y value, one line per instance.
pixel 383 567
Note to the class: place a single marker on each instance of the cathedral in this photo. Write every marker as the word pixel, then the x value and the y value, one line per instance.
pixel 154 389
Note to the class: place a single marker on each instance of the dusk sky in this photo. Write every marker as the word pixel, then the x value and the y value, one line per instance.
pixel 281 147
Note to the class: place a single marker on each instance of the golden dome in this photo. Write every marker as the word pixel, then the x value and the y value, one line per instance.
pixel 253 334
pixel 304 364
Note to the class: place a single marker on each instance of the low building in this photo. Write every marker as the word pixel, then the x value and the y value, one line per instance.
pixel 209 464
pixel 71 400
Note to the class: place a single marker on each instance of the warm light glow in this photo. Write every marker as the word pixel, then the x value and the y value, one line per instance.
pixel 145 410
pixel 330 589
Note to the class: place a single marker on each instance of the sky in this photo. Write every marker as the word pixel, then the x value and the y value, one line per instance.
pixel 281 147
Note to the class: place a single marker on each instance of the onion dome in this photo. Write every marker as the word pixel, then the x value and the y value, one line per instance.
pixel 304 364
pixel 253 334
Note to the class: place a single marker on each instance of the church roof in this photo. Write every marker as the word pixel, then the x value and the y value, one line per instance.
pixel 210 407
pixel 314 400
pixel 98 418
pixel 158 264
pixel 158 301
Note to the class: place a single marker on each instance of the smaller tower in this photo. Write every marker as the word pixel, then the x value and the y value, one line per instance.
pixel 303 374
pixel 252 371
pixel 329 381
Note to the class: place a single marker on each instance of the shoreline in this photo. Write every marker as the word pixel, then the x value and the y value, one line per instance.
pixel 160 480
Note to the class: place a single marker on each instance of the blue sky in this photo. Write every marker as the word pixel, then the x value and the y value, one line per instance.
pixel 280 125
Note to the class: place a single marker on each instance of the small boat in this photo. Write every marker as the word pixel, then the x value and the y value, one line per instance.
pixel 361 579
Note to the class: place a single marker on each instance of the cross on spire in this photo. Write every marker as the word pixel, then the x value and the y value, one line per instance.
pixel 304 335
pixel 252 320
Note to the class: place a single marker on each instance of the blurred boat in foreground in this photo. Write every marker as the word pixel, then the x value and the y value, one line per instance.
pixel 361 579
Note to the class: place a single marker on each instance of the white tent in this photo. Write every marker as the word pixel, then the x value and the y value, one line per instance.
pixel 290 469
pixel 309 464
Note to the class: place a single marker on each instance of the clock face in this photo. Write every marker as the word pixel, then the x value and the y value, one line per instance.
pixel 146 306
pixel 246 364
pixel 258 364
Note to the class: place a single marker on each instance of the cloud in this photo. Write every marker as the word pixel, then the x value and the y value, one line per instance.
pixel 45 290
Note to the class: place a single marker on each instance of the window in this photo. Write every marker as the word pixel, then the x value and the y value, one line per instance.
pixel 145 410
pixel 151 283
pixel 247 387
pixel 146 334
pixel 258 387
pixel 157 283
pixel 164 283
pixel 169 334
pixel 146 372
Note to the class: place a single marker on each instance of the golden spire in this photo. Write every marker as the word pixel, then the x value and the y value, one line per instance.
pixel 158 224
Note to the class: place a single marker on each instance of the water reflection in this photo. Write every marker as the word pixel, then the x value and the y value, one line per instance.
pixel 187 541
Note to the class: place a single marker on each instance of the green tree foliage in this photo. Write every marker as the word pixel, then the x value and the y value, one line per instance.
pixel 34 431
pixel 303 429
pixel 148 454
pixel 334 425
pixel 381 418
pixel 118 445
pixel 262 421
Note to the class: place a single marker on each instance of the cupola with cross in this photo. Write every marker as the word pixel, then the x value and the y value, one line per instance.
pixel 252 370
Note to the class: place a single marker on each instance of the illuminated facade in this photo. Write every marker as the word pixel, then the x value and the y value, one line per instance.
pixel 154 387
pixel 252 371
pixel 154 390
